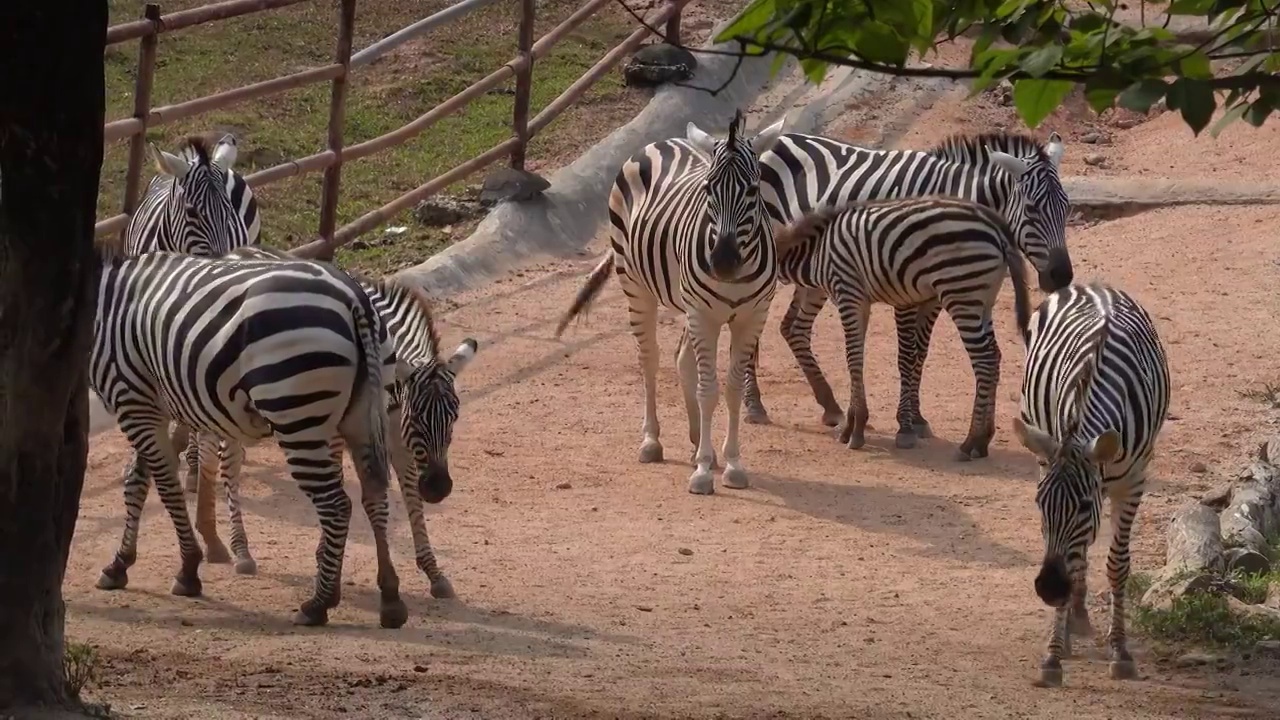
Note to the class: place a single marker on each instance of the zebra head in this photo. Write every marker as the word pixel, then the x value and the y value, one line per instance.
pixel 1040 207
pixel 199 207
pixel 732 186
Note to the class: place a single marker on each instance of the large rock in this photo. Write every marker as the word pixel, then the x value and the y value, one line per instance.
pixel 505 183
pixel 660 63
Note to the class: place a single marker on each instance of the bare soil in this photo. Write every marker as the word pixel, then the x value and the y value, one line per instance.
pixel 868 584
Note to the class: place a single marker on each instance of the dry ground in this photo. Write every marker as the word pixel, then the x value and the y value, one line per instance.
pixel 871 584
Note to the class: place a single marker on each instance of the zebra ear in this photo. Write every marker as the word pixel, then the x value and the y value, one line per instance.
pixel 462 356
pixel 704 143
pixel 1016 167
pixel 765 139
pixel 168 163
pixel 1055 149
pixel 1104 448
pixel 224 153
pixel 1040 443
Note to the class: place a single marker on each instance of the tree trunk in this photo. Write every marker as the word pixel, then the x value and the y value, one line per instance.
pixel 51 114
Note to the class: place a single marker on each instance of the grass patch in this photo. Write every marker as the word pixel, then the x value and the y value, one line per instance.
pixel 381 97
pixel 1268 394
pixel 80 665
pixel 1206 619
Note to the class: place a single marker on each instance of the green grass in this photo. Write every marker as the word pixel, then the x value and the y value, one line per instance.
pixel 80 666
pixel 381 97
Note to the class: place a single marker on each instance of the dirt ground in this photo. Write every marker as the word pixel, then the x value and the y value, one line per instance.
pixel 843 584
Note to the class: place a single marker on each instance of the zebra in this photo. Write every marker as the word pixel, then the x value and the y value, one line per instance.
pixel 196 203
pixel 1007 171
pixel 243 349
pixel 1095 394
pixel 922 253
pixel 424 385
pixel 688 232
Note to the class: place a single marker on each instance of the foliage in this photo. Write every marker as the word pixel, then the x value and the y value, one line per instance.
pixel 1206 619
pixel 80 663
pixel 1045 47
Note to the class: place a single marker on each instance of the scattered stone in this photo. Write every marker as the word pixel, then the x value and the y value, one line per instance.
pixel 657 64
pixel 1258 611
pixel 684 551
pixel 1197 660
pixel 419 668
pixel 1198 467
pixel 645 608
pixel 1095 138
pixel 1247 561
pixel 185 622
pixel 564 485
pixel 1127 123
pixel 1095 159
pixel 1218 498
pixel 505 183
pixel 442 210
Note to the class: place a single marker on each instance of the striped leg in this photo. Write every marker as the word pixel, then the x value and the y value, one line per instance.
pixel 797 330
pixel 393 613
pixel 704 337
pixel 855 310
pixel 191 447
pixel 687 365
pixel 643 311
pixel 744 335
pixel 232 454
pixel 915 330
pixel 150 438
pixel 407 475
pixel 207 495
pixel 756 412
pixel 312 467
pixel 1125 497
pixel 978 334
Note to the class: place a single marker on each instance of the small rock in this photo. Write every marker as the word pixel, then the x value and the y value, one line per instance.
pixel 185 622
pixel 1196 659
pixel 1094 159
pixel 1127 123
pixel 1268 647
pixel 1092 138
pixel 1198 467
pixel 565 485
pixel 443 210
pixel 419 668
pixel 684 551
pixel 358 245
pixel 1247 561
pixel 645 608
pixel 1217 498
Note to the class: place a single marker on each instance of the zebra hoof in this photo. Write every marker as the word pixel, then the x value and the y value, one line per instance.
pixel 855 441
pixel 217 553
pixel 1050 677
pixel 735 478
pixel 394 614
pixel 651 451
pixel 832 418
pixel 443 589
pixel 702 483
pixel 905 440
pixel 1123 670
pixel 113 579
pixel 757 416
pixel 246 566
pixel 186 588
pixel 311 614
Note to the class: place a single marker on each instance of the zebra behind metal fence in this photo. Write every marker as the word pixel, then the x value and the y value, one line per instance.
pixel 918 255
pixel 1095 394
pixel 1008 172
pixel 242 350
pixel 688 231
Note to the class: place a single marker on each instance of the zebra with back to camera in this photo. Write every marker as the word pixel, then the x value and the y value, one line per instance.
pixel 1095 393
pixel 244 349
pixel 1009 172
pixel 688 232
pixel 422 403
pixel 908 253
pixel 197 204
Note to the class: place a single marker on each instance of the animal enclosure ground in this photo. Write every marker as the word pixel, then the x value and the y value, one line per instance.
pixel 872 584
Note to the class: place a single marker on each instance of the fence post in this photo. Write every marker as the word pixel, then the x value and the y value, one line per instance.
pixel 673 27
pixel 337 123
pixel 524 84
pixel 141 109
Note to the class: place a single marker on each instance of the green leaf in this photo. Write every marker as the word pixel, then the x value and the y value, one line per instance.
pixel 777 63
pixel 992 63
pixel 1259 111
pixel 879 43
pixel 1035 99
pixel 1011 9
pixel 814 70
pixel 753 19
pixel 1235 113
pixel 1041 61
pixel 1196 65
pixel 1140 96
pixel 1196 102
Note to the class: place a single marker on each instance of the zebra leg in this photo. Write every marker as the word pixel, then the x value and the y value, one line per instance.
pixel 137 483
pixel 407 475
pixel 978 334
pixel 643 313
pixel 232 454
pixel 1125 498
pixel 392 613
pixel 191 452
pixel 744 335
pixel 705 339
pixel 207 497
pixel 855 310
pixel 926 319
pixel 687 365
pixel 797 330
pixel 312 467
pixel 756 412
pixel 1051 665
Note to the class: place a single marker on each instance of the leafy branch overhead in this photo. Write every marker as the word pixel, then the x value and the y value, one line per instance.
pixel 1045 48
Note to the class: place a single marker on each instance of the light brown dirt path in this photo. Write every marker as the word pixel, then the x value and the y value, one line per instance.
pixel 870 584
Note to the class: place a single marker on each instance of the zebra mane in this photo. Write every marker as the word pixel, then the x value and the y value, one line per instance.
pixel 971 148
pixel 201 148
pixel 1087 372
pixel 393 288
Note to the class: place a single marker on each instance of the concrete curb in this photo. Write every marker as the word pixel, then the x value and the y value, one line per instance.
pixel 1131 193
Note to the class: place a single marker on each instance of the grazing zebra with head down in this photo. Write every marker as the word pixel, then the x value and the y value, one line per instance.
pixel 422 402
pixel 1008 172
pixel 688 232
pixel 921 252
pixel 243 349
pixel 1095 393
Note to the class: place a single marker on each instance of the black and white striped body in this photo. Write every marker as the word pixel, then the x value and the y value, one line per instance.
pixel 1009 173
pixel 1095 395
pixel 688 232
pixel 243 350
pixel 422 403
pixel 917 255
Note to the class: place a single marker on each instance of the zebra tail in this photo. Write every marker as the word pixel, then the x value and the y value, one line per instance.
pixel 587 294
pixel 1021 295
pixel 805 228
pixel 375 402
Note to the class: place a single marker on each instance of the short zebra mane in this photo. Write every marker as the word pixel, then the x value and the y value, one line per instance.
pixel 393 288
pixel 972 147
pixel 1088 370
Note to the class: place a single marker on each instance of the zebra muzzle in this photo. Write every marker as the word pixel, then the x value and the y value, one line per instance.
pixel 1053 583
pixel 726 258
pixel 434 482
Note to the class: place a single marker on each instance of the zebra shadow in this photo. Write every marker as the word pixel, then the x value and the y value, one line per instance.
pixel 945 529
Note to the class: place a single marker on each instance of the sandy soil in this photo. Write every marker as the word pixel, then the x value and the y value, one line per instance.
pixel 870 584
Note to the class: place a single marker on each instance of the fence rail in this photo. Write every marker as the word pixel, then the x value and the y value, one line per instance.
pixel 330 161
